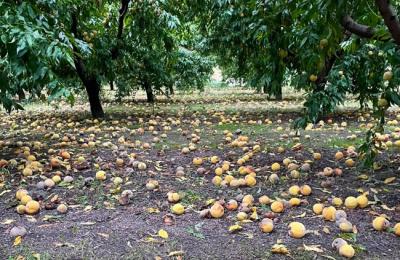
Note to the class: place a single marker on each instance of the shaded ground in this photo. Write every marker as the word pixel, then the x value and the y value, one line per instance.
pixel 97 227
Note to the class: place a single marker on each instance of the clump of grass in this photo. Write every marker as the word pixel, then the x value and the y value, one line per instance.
pixel 342 142
pixel 191 197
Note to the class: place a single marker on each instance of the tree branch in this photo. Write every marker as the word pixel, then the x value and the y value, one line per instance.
pixel 390 18
pixel 122 13
pixel 79 65
pixel 359 29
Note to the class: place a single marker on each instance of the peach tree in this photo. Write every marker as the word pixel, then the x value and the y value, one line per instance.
pixel 63 47
pixel 357 55
pixel 331 50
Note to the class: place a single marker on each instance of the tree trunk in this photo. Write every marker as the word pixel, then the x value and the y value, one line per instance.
pixel 329 62
pixel 88 79
pixel 389 15
pixel 111 85
pixel 265 89
pixel 171 89
pixel 278 94
pixel 323 75
pixel 92 87
pixel 21 94
pixel 149 91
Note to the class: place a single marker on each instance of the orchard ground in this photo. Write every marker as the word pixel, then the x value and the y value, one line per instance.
pixel 96 226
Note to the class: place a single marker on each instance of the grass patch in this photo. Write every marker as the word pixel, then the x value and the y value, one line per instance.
pixel 29 254
pixel 191 197
pixel 246 128
pixel 342 142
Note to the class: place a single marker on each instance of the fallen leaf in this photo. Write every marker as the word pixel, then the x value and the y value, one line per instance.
pixel 150 239
pixel 47 225
pixel 374 190
pixel 210 201
pixel 246 221
pixel 387 208
pixel 176 253
pixel 163 234
pixel 17 240
pixel 103 235
pixel 7 221
pixel 89 223
pixel 300 216
pixel 279 249
pixel 326 230
pixel 254 216
pixel 50 218
pixel 153 210
pixel 314 248
pixel 4 192
pixel 389 180
pixel 363 177
pixel 234 228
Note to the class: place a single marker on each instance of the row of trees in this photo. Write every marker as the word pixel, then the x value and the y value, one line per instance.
pixel 63 46
pixel 329 48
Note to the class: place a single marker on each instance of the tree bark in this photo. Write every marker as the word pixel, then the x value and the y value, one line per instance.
pixel 171 89
pixel 265 89
pixel 92 86
pixel 21 94
pixel 93 90
pixel 278 94
pixel 323 75
pixel 122 13
pixel 390 18
pixel 358 29
pixel 149 91
pixel 89 80
pixel 362 30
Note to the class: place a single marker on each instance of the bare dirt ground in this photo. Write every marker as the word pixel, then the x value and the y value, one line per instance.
pixel 96 226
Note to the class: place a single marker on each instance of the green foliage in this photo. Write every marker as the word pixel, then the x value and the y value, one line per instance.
pixel 248 40
pixel 32 46
pixel 41 44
